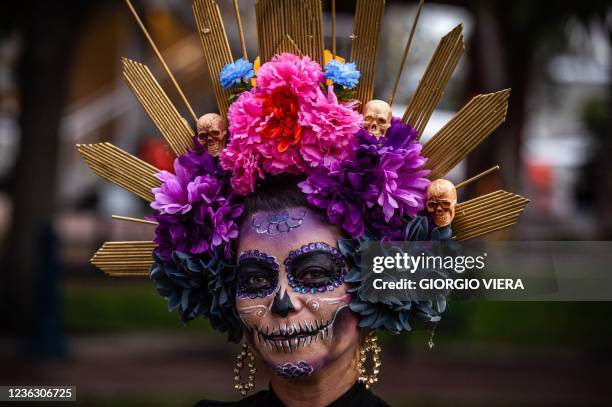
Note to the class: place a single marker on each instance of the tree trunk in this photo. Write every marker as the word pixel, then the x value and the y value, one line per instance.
pixel 49 30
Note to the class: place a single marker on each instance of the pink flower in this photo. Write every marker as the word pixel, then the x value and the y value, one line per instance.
pixel 245 168
pixel 286 124
pixel 328 129
pixel 301 76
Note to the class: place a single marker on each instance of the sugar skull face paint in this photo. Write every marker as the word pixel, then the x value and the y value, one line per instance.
pixel 258 276
pixel 292 297
pixel 282 221
pixel 315 267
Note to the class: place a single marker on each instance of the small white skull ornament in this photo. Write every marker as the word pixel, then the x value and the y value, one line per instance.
pixel 212 131
pixel 441 202
pixel 377 117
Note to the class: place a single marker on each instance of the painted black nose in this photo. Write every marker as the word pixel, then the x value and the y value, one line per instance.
pixel 282 306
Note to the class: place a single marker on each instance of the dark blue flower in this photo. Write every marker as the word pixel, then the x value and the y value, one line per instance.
pixel 199 286
pixel 235 73
pixel 395 312
pixel 345 74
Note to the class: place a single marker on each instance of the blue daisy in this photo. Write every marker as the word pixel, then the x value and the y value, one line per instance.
pixel 233 74
pixel 345 74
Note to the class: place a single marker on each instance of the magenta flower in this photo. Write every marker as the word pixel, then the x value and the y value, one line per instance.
pixel 300 75
pixel 286 124
pixel 328 129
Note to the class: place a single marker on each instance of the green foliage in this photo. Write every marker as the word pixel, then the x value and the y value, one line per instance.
pixel 121 306
pixel 136 307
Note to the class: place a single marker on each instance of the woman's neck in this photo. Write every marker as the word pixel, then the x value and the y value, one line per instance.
pixel 326 386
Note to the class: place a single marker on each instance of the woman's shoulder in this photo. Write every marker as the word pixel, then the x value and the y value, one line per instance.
pixel 356 396
pixel 359 396
pixel 261 398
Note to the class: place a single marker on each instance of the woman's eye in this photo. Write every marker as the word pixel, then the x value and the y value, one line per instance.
pixel 257 282
pixel 315 276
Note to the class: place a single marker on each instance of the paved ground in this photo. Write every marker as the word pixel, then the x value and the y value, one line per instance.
pixel 138 369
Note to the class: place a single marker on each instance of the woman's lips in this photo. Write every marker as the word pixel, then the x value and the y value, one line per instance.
pixel 289 337
pixel 304 329
pixel 293 336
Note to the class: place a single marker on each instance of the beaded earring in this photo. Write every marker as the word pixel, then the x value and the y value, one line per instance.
pixel 249 385
pixel 370 346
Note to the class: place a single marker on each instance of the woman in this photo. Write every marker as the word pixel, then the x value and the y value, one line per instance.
pixel 308 340
pixel 264 240
pixel 260 224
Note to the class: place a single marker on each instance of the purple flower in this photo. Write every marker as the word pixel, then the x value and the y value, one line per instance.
pixel 393 230
pixel 197 210
pixel 382 186
pixel 337 188
pixel 172 197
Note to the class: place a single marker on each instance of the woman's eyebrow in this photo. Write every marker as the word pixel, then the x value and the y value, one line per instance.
pixel 256 256
pixel 314 256
pixel 253 264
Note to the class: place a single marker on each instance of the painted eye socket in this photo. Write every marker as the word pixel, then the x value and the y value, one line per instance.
pixel 315 267
pixel 315 276
pixel 256 281
pixel 257 274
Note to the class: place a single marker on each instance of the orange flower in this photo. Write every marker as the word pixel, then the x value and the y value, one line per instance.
pixel 281 111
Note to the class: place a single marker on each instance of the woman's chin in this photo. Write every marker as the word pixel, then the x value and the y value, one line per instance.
pixel 314 356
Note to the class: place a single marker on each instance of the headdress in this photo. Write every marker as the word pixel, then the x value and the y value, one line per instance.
pixel 300 110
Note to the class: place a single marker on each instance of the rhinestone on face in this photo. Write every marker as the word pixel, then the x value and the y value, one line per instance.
pixel 278 217
pixel 258 256
pixel 337 258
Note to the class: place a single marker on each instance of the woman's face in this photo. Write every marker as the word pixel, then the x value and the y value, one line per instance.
pixel 291 293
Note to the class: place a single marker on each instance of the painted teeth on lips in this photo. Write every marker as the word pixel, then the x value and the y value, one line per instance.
pixel 289 331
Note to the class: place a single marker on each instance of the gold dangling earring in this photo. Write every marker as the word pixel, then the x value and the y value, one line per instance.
pixel 249 385
pixel 370 345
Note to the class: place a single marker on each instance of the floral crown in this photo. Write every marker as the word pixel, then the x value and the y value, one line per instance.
pixel 299 115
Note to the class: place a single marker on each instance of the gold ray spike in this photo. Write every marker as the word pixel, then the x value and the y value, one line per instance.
pixel 125 258
pixel 487 213
pixel 121 168
pixel 302 20
pixel 464 132
pixel 158 106
pixel 366 34
pixel 406 50
pixel 215 46
pixel 333 28
pixel 477 177
pixel 288 45
pixel 245 55
pixel 270 16
pixel 161 59
pixel 304 23
pixel 135 220
pixel 434 80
